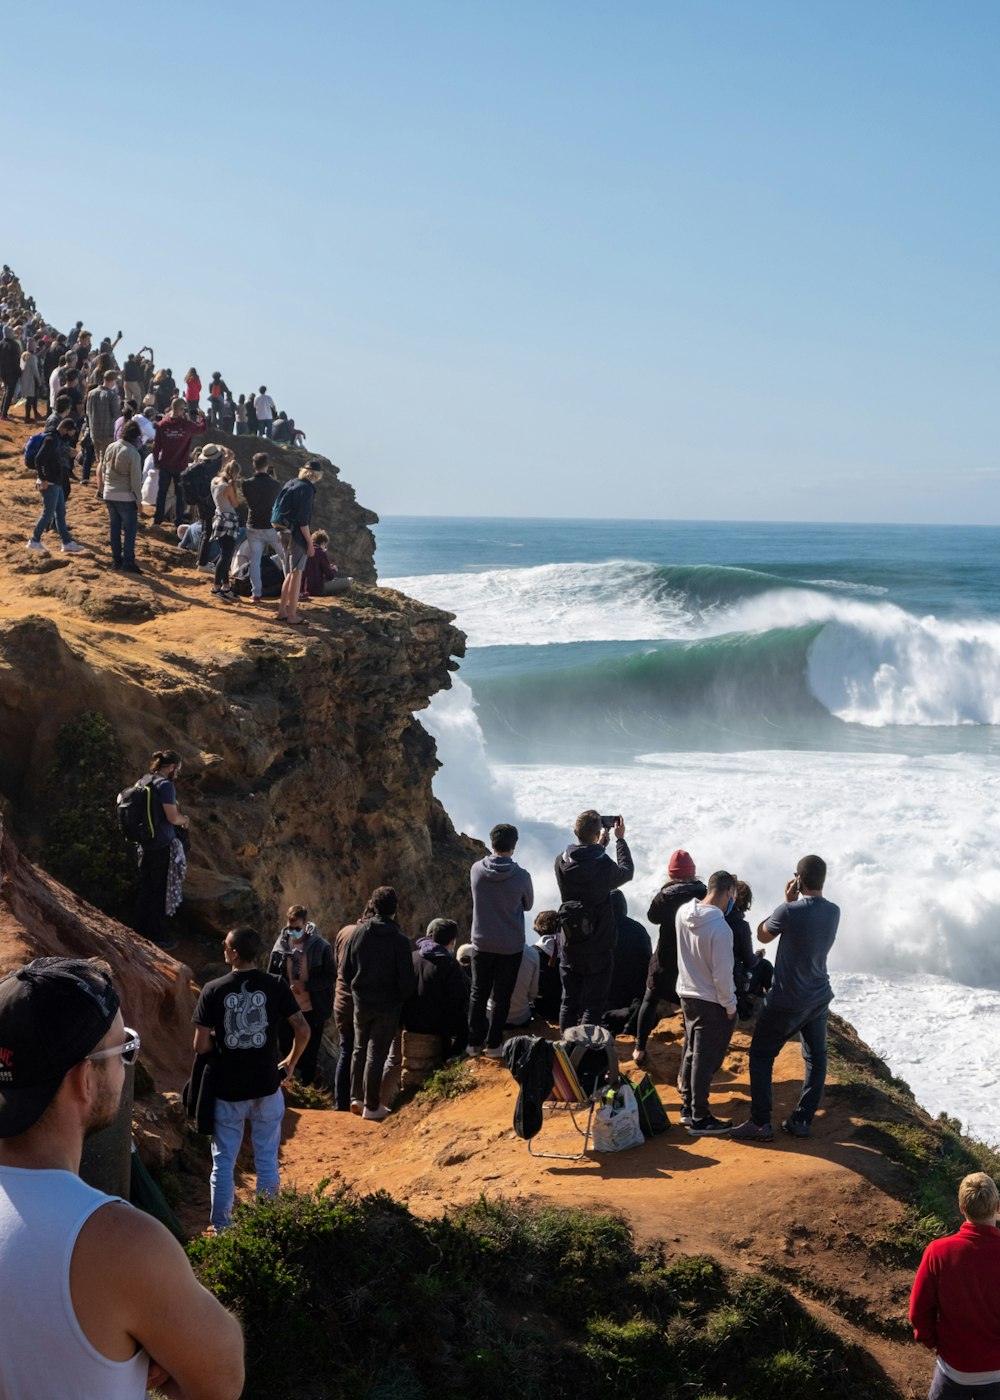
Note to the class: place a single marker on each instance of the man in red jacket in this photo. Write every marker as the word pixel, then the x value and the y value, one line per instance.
pixel 955 1303
pixel 171 447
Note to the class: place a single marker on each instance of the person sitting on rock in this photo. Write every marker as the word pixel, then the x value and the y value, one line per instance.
pixel 549 995
pixel 522 999
pixel 318 573
pixel 378 969
pixel 304 959
pixel 632 953
pixel 439 1007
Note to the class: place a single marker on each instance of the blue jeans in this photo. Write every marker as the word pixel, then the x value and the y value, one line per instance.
pixel 161 497
pixel 257 539
pixel 123 515
pixel 264 1116
pixel 775 1025
pixel 264 426
pixel 944 1388
pixel 53 506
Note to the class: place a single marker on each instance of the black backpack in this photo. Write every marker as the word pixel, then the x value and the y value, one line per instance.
pixel 196 482
pixel 574 922
pixel 140 811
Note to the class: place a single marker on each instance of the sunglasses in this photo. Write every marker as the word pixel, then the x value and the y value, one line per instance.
pixel 129 1050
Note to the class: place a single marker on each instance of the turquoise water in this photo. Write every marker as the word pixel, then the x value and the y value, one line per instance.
pixel 750 693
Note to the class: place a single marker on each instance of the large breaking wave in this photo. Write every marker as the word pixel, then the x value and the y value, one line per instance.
pixel 724 645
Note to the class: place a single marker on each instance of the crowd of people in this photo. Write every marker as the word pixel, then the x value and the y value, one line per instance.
pixel 132 427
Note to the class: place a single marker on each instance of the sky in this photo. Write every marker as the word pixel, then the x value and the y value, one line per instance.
pixel 719 258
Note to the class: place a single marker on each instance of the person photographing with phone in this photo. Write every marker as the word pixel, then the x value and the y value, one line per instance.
pixel 798 1002
pixel 586 874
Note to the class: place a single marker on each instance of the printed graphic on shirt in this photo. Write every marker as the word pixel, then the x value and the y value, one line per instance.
pixel 245 1019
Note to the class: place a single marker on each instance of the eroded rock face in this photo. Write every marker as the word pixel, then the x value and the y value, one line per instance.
pixel 306 777
pixel 40 918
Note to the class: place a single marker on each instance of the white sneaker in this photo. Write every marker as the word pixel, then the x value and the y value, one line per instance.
pixel 206 568
pixel 495 1054
pixel 73 548
pixel 37 546
pixel 473 1051
pixel 377 1115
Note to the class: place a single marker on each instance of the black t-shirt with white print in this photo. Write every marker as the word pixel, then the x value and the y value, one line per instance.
pixel 244 1011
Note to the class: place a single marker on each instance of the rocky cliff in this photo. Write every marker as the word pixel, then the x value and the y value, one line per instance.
pixel 305 774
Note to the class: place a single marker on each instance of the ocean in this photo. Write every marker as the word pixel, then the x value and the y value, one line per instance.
pixel 750 693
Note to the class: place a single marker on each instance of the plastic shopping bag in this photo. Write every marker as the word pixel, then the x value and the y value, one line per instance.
pixel 616 1124
pixel 150 485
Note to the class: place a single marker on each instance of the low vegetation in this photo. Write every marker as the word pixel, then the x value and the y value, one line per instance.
pixel 346 1296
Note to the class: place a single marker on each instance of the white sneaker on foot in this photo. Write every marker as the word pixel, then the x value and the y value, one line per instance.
pixel 376 1115
pixel 37 546
pixel 472 1052
pixel 73 548
pixel 494 1053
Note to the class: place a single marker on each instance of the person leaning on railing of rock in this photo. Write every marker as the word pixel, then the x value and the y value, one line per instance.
pixel 119 483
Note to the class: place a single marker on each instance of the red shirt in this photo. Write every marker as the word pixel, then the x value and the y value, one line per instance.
pixel 172 442
pixel 955 1302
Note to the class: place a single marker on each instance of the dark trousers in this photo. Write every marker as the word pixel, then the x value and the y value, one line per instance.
pixel 584 997
pixel 123 517
pixel 707 1031
pixel 342 1077
pixel 775 1025
pixel 9 390
pixel 31 407
pixel 493 974
pixel 649 1014
pixel 161 497
pixel 944 1388
pixel 305 1069
pixel 227 548
pixel 374 1032
pixel 152 905
pixel 206 514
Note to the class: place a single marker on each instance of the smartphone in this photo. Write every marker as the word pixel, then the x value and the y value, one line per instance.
pixel 609 822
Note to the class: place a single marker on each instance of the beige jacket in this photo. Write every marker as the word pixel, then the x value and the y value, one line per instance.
pixel 122 472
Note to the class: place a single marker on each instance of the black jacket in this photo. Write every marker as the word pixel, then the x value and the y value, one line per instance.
pixel 10 360
pixel 588 874
pixel 378 966
pixel 440 1004
pixel 52 460
pixel 319 962
pixel 530 1059
pixel 663 911
pixel 632 954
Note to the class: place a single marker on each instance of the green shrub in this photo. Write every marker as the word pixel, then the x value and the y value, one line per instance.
pixel 352 1298
pixel 83 846
pixel 452 1079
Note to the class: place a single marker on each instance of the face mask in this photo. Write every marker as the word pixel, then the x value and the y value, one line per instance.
pixel 295 932
pixel 729 906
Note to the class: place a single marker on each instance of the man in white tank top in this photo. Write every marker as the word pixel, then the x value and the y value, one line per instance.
pixel 99 1300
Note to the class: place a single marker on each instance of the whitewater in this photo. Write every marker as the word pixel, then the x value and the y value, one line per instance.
pixel 751 694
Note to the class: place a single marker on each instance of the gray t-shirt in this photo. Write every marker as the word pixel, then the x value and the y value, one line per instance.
pixel 808 928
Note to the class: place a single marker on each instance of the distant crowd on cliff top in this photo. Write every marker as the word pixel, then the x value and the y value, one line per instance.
pixel 133 427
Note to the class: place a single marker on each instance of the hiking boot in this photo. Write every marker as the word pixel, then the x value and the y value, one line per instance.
pixel 796 1127
pixel 753 1132
pixel 376 1115
pixel 73 548
pixel 473 1051
pixel 357 1107
pixel 494 1052
pixel 37 546
pixel 131 569
pixel 709 1126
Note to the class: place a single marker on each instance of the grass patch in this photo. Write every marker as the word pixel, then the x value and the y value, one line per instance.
pixel 312 1096
pixel 352 1298
pixel 448 1082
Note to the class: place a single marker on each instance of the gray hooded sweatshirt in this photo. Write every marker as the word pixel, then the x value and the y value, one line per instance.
pixel 501 892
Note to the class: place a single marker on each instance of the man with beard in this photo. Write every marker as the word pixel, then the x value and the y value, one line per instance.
pixel 99 1298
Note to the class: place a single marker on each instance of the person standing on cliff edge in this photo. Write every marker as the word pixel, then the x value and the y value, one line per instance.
pixel 955 1302
pixel 798 1002
pixel 98 1297
pixel 154 853
pixel 501 892
pixel 292 515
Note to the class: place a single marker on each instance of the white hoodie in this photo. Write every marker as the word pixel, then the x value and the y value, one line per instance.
pixel 705 955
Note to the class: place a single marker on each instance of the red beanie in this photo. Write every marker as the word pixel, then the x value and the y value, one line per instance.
pixel 681 866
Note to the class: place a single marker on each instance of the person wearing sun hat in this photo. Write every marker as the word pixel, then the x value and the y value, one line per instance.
pixel 682 886
pixel 99 1298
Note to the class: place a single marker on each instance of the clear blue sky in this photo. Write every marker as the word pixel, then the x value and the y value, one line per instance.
pixel 720 257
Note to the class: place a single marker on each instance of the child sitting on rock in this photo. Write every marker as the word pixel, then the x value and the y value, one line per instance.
pixel 319 573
